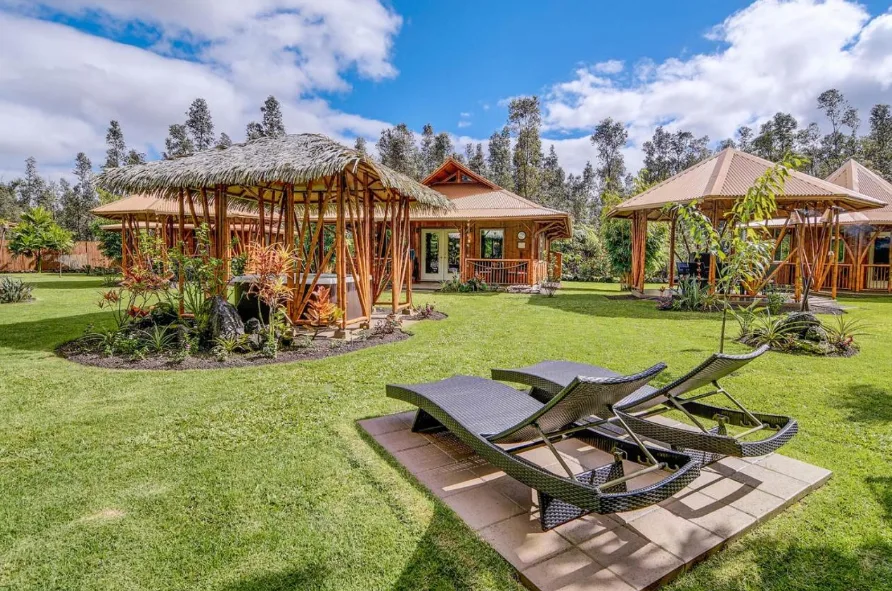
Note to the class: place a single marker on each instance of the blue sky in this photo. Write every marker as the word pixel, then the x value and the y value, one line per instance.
pixel 456 57
pixel 352 67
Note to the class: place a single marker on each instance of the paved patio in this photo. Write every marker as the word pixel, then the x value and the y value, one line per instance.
pixel 636 550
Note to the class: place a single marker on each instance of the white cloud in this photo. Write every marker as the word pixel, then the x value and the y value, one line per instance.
pixel 772 56
pixel 462 123
pixel 59 86
pixel 609 67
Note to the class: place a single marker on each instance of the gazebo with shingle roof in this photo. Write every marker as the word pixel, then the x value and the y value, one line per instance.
pixel 716 184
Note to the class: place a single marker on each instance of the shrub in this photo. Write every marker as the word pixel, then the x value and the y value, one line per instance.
pixel 841 332
pixel 692 296
pixel 14 291
pixel 425 311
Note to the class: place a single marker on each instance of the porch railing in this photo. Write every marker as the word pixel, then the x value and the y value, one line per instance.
pixel 501 271
pixel 876 277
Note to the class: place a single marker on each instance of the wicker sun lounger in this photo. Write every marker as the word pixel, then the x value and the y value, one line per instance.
pixel 548 377
pixel 489 417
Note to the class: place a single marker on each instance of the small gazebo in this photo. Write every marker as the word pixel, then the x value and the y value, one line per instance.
pixel 298 184
pixel 716 184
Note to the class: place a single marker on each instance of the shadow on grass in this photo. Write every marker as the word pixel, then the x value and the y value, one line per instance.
pixel 47 334
pixel 62 284
pixel 592 303
pixel 867 403
pixel 308 576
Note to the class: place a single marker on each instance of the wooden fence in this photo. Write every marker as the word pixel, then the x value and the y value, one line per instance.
pixel 84 254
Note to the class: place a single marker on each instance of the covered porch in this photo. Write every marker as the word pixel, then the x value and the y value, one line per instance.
pixel 492 234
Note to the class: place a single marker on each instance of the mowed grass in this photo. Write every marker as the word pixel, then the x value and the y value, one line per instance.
pixel 259 479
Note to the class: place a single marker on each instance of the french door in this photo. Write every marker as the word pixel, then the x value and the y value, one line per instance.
pixel 440 254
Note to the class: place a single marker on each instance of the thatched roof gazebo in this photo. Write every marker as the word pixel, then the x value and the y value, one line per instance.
pixel 715 185
pixel 300 183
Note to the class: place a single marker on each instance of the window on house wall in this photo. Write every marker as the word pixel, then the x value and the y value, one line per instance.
pixel 492 244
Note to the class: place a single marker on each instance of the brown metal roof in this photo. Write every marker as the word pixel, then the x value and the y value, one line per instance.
pixel 857 177
pixel 729 175
pixel 478 198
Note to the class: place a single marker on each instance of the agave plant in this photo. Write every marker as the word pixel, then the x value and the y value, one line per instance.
pixel 842 331
pixel 14 291
pixel 746 317
pixel 775 331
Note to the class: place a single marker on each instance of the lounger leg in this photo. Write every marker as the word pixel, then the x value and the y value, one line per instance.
pixel 554 512
pixel 425 423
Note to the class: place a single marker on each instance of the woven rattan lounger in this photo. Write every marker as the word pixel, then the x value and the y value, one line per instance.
pixel 489 417
pixel 548 377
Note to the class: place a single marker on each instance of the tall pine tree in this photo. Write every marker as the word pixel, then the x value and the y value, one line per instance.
pixel 609 139
pixel 476 159
pixel 200 125
pixel 31 186
pixel 397 149
pixel 878 143
pixel 427 155
pixel 499 159
pixel 116 154
pixel 360 145
pixel 178 142
pixel 273 122
pixel 76 206
pixel 553 182
pixel 525 120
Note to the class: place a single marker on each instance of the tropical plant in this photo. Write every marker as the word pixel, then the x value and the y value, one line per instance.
pixel 14 291
pixel 38 235
pixel 270 265
pixel 744 246
pixel 842 331
pixel 775 331
pixel 320 312
pixel 775 299
pixel 426 311
pixel 745 317
pixel 693 296
pixel 158 339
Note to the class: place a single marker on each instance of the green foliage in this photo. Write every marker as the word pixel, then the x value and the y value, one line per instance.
pixel 472 285
pixel 775 299
pixel 775 331
pixel 158 339
pixel 38 235
pixel 842 331
pixel 14 291
pixel 745 317
pixel 109 243
pixel 584 256
pixel 692 296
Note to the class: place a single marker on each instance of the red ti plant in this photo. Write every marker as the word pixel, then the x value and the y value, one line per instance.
pixel 270 266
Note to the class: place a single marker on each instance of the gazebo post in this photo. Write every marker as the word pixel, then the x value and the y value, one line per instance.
pixel 181 246
pixel 368 197
pixel 836 256
pixel 341 252
pixel 288 241
pixel 672 252
pixel 261 213
pixel 639 250
pixel 712 262
pixel 798 261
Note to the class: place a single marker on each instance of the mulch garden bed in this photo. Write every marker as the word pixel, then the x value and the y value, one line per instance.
pixel 432 316
pixel 319 349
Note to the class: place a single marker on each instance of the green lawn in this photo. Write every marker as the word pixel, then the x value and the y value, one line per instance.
pixel 251 479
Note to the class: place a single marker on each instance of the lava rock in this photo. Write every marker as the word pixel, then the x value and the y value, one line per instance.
pixel 253 326
pixel 801 323
pixel 224 320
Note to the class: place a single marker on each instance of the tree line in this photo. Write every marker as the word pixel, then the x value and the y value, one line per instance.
pixel 69 204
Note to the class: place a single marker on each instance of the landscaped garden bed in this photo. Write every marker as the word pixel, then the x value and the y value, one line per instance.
pixel 303 350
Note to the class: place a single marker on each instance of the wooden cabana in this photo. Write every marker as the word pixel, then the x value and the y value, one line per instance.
pixel 491 233
pixel 716 184
pixel 862 259
pixel 300 183
pixel 158 216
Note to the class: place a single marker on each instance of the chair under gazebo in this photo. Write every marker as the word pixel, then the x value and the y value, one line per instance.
pixel 298 184
pixel 715 184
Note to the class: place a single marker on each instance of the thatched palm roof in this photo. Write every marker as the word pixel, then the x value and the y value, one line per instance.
pixel 297 159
